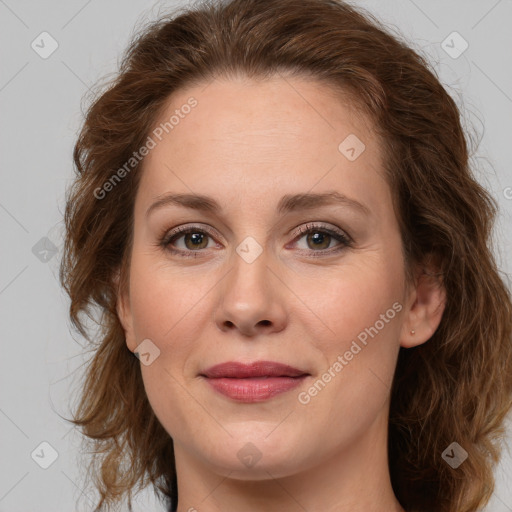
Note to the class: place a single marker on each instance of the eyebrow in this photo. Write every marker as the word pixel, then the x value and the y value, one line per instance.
pixel 288 203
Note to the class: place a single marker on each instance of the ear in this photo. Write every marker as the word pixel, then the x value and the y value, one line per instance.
pixel 424 307
pixel 124 311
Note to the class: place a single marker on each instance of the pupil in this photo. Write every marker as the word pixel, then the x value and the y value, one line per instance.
pixel 319 239
pixel 195 238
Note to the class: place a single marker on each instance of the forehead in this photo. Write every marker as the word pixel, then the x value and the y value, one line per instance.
pixel 262 138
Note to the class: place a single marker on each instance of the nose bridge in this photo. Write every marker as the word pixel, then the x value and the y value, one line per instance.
pixel 251 256
pixel 249 296
pixel 249 280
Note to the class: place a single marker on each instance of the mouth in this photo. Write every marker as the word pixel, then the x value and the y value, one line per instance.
pixel 235 370
pixel 254 382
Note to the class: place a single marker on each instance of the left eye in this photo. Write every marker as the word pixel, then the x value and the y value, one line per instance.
pixel 320 238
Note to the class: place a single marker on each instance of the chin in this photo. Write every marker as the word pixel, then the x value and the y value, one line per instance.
pixel 254 457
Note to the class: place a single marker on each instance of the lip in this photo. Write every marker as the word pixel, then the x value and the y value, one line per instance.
pixel 253 382
pixel 236 370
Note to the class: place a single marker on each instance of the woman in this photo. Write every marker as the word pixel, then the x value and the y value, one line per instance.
pixel 275 213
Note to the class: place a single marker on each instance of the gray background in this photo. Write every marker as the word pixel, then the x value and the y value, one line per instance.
pixel 40 100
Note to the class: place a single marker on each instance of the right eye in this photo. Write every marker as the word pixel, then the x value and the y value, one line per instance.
pixel 194 240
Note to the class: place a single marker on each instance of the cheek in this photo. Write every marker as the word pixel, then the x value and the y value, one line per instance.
pixel 170 311
pixel 167 303
pixel 353 385
pixel 355 334
pixel 345 302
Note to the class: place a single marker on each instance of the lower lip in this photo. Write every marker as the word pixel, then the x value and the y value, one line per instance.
pixel 254 389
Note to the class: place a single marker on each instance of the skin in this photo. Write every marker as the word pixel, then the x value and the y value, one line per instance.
pixel 246 144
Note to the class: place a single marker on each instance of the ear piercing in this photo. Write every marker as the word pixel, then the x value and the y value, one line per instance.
pixel 413 331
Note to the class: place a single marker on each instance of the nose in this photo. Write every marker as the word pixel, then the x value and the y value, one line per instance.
pixel 250 299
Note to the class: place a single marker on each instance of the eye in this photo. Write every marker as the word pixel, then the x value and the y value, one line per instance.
pixel 318 239
pixel 194 240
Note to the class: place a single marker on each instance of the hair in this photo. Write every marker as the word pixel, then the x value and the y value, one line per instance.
pixel 455 387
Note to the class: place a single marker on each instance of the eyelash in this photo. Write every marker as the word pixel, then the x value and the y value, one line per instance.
pixel 345 240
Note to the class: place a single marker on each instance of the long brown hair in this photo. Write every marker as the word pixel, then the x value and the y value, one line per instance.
pixel 457 387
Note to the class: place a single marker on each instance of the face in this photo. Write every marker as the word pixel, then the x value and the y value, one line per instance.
pixel 318 286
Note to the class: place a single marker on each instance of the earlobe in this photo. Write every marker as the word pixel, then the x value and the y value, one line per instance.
pixel 425 310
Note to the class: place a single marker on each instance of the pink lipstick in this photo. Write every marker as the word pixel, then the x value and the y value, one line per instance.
pixel 254 382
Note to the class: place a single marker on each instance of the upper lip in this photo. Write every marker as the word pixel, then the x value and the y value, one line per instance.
pixel 237 370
